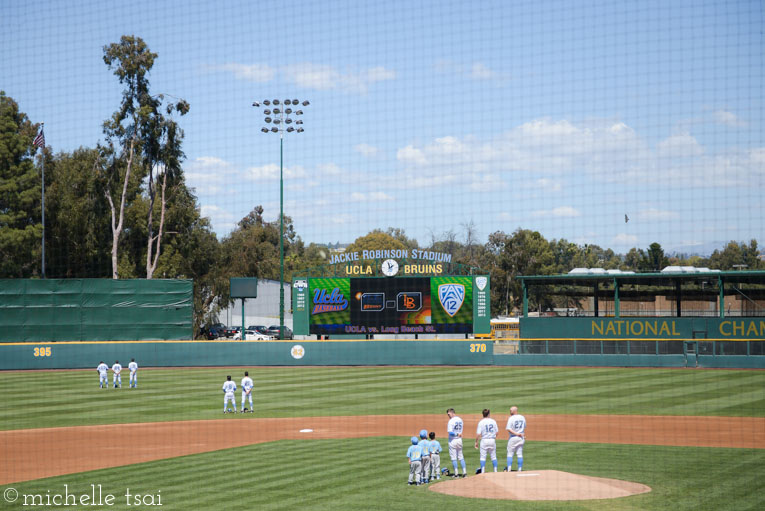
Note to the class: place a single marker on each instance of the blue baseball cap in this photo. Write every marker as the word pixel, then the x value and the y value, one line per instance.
pixel 423 433
pixel 414 440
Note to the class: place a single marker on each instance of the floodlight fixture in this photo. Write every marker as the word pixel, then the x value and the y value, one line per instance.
pixel 276 102
pixel 290 129
pixel 266 102
pixel 299 112
pixel 275 130
pixel 306 103
pixel 267 119
pixel 267 112
pixel 277 111
pixel 300 130
pixel 256 104
pixel 264 130
pixel 295 101
pixel 288 111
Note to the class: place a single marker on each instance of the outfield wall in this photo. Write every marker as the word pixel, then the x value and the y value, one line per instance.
pixel 79 355
pixel 236 353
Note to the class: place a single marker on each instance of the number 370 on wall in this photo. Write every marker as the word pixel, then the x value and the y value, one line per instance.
pixel 478 348
pixel 43 351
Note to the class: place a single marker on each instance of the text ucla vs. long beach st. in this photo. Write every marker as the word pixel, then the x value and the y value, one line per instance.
pixel 365 255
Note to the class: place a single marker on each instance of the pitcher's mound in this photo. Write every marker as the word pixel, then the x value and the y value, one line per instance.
pixel 538 485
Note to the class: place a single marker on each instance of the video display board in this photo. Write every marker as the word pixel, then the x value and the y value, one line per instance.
pixel 402 305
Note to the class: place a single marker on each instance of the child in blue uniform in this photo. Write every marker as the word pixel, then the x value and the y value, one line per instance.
pixel 415 461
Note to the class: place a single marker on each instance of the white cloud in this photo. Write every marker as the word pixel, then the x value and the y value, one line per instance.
pixel 549 185
pixel 258 73
pixel 309 75
pixel 653 214
pixel 367 150
pixel 323 77
pixel 478 71
pixel 728 119
pixel 221 219
pixel 625 239
pixel 270 171
pixel 678 146
pixel 370 197
pixel 559 212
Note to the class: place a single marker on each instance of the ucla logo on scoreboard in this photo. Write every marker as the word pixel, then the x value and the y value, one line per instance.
pixel 451 296
pixel 481 282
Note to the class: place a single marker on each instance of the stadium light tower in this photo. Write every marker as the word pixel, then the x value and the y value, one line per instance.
pixel 278 115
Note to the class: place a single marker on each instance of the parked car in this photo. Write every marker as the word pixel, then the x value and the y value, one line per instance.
pixel 263 329
pixel 273 331
pixel 232 330
pixel 215 331
pixel 252 335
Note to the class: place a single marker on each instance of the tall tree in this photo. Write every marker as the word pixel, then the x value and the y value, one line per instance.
pixel 131 60
pixel 20 191
pixel 78 240
pixel 162 151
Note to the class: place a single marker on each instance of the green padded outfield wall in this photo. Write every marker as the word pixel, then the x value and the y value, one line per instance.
pixel 95 310
pixel 72 355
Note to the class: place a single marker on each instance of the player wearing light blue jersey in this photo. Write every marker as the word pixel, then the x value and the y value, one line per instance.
pixel 103 377
pixel 229 388
pixel 454 429
pixel 425 444
pixel 516 427
pixel 435 456
pixel 415 461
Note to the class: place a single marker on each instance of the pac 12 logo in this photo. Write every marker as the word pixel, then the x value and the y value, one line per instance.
pixel 332 302
pixel 451 297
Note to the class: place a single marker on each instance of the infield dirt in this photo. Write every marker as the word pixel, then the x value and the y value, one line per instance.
pixel 77 449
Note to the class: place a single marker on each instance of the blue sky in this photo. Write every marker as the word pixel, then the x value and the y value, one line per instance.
pixel 555 116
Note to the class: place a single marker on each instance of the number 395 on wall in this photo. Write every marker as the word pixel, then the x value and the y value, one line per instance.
pixel 43 351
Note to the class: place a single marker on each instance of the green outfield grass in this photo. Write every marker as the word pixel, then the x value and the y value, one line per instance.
pixel 67 398
pixel 371 474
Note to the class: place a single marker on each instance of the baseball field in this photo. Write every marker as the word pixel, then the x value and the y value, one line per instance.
pixel 336 438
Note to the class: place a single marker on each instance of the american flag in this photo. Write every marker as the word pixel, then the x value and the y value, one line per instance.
pixel 39 140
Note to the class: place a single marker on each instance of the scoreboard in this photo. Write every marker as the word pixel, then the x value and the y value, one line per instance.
pixel 447 304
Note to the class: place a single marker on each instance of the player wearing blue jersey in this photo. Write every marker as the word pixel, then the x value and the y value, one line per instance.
pixel 435 456
pixel 454 429
pixel 415 461
pixel 229 388
pixel 516 427
pixel 425 444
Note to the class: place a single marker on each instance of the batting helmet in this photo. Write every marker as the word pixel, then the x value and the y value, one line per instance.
pixel 414 440
pixel 423 433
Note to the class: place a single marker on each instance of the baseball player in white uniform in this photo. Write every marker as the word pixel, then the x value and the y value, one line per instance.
pixel 516 427
pixel 133 368
pixel 229 388
pixel 117 369
pixel 247 390
pixel 454 429
pixel 487 436
pixel 103 377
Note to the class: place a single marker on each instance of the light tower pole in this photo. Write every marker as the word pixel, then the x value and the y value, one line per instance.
pixel 277 113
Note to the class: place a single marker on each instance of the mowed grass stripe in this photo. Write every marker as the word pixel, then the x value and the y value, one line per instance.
pixel 66 398
pixel 372 473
